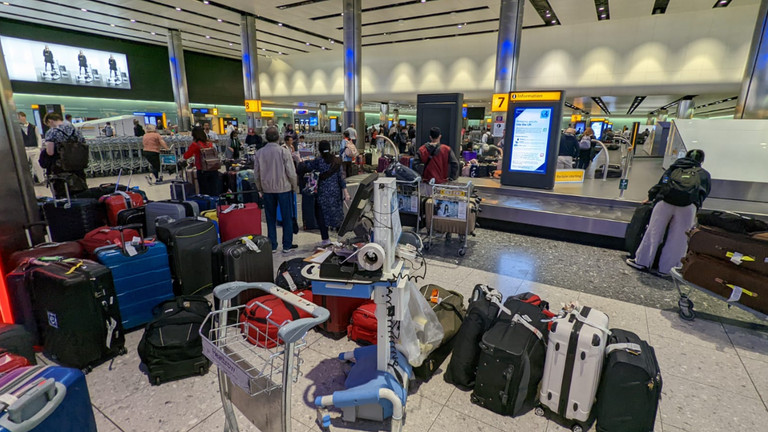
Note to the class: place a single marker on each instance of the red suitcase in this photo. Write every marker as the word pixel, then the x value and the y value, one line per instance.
pixel 363 324
pixel 69 249
pixel 105 236
pixel 10 361
pixel 237 220
pixel 748 251
pixel 406 161
pixel 120 201
pixel 341 309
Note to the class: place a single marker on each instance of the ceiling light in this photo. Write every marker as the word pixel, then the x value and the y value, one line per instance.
pixel 332 41
pixel 323 47
pixel 84 9
pixel 178 9
pixel 553 22
pixel 280 24
pixel 6 3
pixel 112 25
pixel 207 37
pixel 205 2
pixel 601 8
pixel 133 20
pixel 154 33
pixel 219 20
pixel 263 49
pixel 307 43
pixel 423 1
pixel 603 16
pixel 230 44
pixel 280 52
pixel 459 25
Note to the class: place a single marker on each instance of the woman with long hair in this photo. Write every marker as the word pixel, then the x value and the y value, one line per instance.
pixel 585 148
pixel 207 180
pixel 233 151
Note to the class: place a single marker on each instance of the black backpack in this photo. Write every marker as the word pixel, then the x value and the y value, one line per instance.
pixel 682 187
pixel 73 153
pixel 289 275
pixel 171 347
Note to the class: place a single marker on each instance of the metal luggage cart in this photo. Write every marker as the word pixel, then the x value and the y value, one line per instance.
pixel 258 381
pixel 451 197
pixel 686 305
pixel 409 199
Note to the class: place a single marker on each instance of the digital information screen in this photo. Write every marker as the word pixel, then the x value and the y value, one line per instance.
pixel 61 64
pixel 598 128
pixel 530 140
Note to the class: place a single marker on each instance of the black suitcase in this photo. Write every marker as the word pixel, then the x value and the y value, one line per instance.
pixel 482 171
pixel 131 216
pixel 71 220
pixel 308 211
pixel 190 242
pixel 369 158
pixel 432 363
pixel 183 190
pixel 614 171
pixel 171 346
pixel 512 360
pixel 481 315
pixel 289 275
pixel 731 222
pixel 630 387
pixel 77 313
pixel 636 228
pixel 17 340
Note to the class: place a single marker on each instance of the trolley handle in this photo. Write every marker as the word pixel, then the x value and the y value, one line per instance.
pixel 291 332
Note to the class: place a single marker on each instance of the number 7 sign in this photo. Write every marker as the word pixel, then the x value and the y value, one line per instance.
pixel 500 102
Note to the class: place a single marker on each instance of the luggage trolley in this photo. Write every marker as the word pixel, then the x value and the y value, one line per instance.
pixel 686 305
pixel 258 381
pixel 409 199
pixel 451 203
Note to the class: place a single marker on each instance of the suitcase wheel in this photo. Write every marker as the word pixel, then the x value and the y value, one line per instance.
pixel 462 252
pixel 539 411
pixel 686 308
pixel 202 371
pixel 154 380
pixel 123 351
pixel 86 370
pixel 577 428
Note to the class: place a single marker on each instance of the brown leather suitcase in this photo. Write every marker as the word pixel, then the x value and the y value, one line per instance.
pixel 451 225
pixel 747 251
pixel 722 277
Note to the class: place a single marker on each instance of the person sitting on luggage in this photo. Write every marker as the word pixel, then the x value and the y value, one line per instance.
pixel 585 148
pixel 436 161
pixel 329 207
pixel 58 134
pixel 208 181
pixel 276 181
pixel 153 143
pixel 569 149
pixel 678 195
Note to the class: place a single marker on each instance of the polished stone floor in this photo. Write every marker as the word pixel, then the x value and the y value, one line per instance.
pixel 715 370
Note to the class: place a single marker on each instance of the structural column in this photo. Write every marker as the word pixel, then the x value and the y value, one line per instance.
pixel 508 45
pixel 662 116
pixel 250 67
pixel 753 98
pixel 384 114
pixel 179 80
pixel 353 104
pixel 651 120
pixel 322 117
pixel 396 117
pixel 685 109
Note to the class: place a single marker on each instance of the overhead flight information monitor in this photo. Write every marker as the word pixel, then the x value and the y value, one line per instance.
pixel 532 139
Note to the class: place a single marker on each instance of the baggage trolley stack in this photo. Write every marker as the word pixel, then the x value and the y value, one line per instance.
pixel 257 380
pixel 454 209
pixel 169 158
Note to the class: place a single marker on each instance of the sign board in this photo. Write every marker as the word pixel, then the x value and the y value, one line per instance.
pixel 569 176
pixel 215 111
pixel 498 129
pixel 252 106
pixel 237 375
pixel 575 118
pixel 500 102
pixel 623 184
pixel 267 113
pixel 552 96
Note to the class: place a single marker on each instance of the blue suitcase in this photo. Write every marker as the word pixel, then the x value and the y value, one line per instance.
pixel 50 399
pixel 204 202
pixel 142 281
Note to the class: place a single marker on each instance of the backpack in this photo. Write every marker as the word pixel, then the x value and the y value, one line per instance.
pixel 289 276
pixel 363 324
pixel 682 187
pixel 209 159
pixel 585 144
pixel 448 306
pixel 73 153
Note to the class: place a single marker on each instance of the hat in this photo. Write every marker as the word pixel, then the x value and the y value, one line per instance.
pixel 325 147
pixel 250 130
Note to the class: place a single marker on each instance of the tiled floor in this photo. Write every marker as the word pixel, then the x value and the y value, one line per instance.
pixel 715 374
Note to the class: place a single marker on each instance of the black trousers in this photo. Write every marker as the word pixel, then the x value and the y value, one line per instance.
pixel 208 182
pixel 584 156
pixel 320 218
pixel 154 159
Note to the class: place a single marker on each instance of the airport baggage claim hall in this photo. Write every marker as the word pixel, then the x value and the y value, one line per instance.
pixel 383 215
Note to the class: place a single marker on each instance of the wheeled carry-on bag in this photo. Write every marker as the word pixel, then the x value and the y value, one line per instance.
pixel 308 218
pixel 512 360
pixel 637 227
pixel 141 274
pixel 575 355
pixel 238 219
pixel 46 399
pixel 171 346
pixel 175 209
pixel 77 314
pixel 614 171
pixel 70 249
pixel 630 388
pixel 71 219
pixel 133 216
pixel 119 201
pixel 747 251
pixel 449 307
pixel 190 242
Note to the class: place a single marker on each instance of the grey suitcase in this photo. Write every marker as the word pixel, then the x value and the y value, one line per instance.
pixel 190 242
pixel 170 210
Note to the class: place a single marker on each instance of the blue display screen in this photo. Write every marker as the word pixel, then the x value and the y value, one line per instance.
pixel 530 140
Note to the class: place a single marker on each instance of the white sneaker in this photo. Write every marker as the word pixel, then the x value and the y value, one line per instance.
pixel 325 243
pixel 632 263
pixel 286 251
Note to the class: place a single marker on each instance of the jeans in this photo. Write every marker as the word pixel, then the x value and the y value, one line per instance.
pixel 680 220
pixel 271 200
pixel 208 182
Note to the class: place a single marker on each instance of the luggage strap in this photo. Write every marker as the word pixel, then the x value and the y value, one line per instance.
pixel 593 325
pixel 494 296
pixel 233 207
pixel 518 319
pixel 631 348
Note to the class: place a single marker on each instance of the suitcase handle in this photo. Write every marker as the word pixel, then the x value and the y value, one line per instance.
pixel 137 227
pixel 26 413
pixel 29 226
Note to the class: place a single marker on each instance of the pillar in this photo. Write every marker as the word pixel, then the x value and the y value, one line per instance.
pixel 685 109
pixel 508 45
pixel 250 67
pixel 322 117
pixel 353 104
pixel 662 116
pixel 651 120
pixel 384 114
pixel 179 81
pixel 395 117
pixel 753 98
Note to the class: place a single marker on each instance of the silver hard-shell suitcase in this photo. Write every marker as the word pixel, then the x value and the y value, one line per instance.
pixel 175 209
pixel 575 355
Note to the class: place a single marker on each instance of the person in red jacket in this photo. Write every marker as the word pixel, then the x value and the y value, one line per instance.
pixel 207 180
pixel 436 161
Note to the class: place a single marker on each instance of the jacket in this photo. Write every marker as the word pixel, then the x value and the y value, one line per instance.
pixel 273 170
pixel 656 192
pixel 153 142
pixel 569 146
pixel 443 167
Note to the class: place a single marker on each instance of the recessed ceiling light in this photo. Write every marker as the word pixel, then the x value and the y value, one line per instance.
pixel 133 20
pixel 6 3
pixel 280 24
pixel 601 8
pixel 207 37
pixel 230 44
pixel 323 47
pixel 205 1
pixel 603 16
pixel 307 43
pixel 219 20
pixel 280 52
pixel 459 25
pixel 154 33
pixel 423 1
pixel 84 9
pixel 332 41
pixel 112 25
pixel 553 22
pixel 263 49
pixel 178 9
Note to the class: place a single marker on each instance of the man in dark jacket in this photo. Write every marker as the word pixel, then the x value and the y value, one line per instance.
pixel 254 139
pixel 436 161
pixel 138 129
pixel 569 149
pixel 678 195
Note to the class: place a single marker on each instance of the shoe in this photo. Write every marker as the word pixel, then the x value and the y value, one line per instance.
pixel 661 275
pixel 286 251
pixel 632 263
pixel 274 251
pixel 325 243
pixel 295 246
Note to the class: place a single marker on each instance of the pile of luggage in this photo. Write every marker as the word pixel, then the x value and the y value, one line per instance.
pixel 517 355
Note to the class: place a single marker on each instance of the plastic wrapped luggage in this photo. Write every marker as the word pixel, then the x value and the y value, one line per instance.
pixel 71 249
pixel 47 399
pixel 744 250
pixel 106 236
pixel 19 342
pixel 238 219
pixel 731 222
pixel 171 347
pixel 141 275
pixel 630 388
pixel 190 242
pixel 264 315
pixel 449 307
pixel 575 355
pixel 118 201
pixel 363 324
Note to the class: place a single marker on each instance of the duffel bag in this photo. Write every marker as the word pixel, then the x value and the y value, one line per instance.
pixel 731 222
pixel 289 276
pixel 105 236
pixel 263 317
pixel 449 308
pixel 363 325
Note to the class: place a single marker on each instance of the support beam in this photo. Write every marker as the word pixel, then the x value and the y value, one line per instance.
pixel 508 45
pixel 250 67
pixel 353 102
pixel 753 99
pixel 179 81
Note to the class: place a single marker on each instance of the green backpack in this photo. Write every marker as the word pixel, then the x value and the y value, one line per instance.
pixel 448 306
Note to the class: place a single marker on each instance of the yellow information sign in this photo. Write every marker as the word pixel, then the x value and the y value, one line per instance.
pixel 252 106
pixel 267 113
pixel 569 176
pixel 535 96
pixel 215 112
pixel 500 102
pixel 575 118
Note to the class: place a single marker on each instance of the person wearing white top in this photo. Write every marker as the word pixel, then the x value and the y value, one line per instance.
pixel 32 143
pixel 352 133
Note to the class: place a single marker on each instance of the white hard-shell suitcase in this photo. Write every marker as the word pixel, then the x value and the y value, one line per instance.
pixel 575 355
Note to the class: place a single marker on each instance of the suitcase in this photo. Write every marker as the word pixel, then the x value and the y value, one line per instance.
pixel 484 306
pixel 636 228
pixel 630 388
pixel 746 251
pixel 133 216
pixel 10 361
pixel 70 249
pixel 204 202
pixel 731 222
pixel 454 226
pixel 174 209
pixel 106 189
pixel 190 242
pixel 141 275
pixel 171 347
pixel 469 155
pixel 614 171
pixel 47 399
pixel 184 189
pixel 72 219
pixel 383 164
pixel 263 316
pixel 237 220
pixel 289 275
pixel 575 355
pixel 369 158
pixel 246 182
pixel 210 214
pixel 727 280
pixel 106 236
pixel 341 309
pixel 512 360
pixel 118 201
pixel 308 218
pixel 76 312
pixel 449 308
pixel 363 324
pixel 16 340
pixel 406 161
pixel 482 170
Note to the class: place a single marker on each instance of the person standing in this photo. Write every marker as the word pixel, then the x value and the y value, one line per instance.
pixel 83 62
pixel 108 131
pixel 138 130
pixel 436 161
pixel 331 190
pixel 681 191
pixel 153 143
pixel 585 148
pixel 276 181
pixel 32 144
pixel 68 119
pixel 61 135
pixel 292 133
pixel 233 151
pixel 213 137
pixel 112 66
pixel 348 154
pixel 569 149
pixel 48 58
pixel 352 133
pixel 207 180
pixel 254 139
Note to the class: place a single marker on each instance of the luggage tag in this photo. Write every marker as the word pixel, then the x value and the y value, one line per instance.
pixel 291 283
pixel 250 244
pixel 738 258
pixel 435 297
pixel 130 249
pixel 736 292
